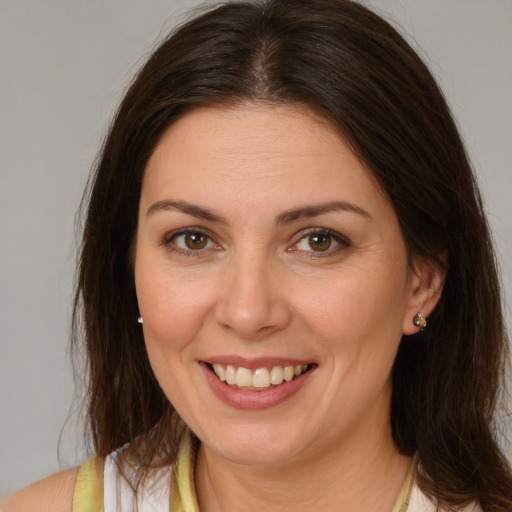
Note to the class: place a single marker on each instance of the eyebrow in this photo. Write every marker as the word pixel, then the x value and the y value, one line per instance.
pixel 187 208
pixel 287 217
pixel 310 211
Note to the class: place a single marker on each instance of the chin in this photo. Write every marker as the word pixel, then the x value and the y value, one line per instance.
pixel 257 445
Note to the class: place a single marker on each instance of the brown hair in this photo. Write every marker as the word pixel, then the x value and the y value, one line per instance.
pixel 348 65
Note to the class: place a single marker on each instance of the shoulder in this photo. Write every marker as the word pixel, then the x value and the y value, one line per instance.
pixel 54 493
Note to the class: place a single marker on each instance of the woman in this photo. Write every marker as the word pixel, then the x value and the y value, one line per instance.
pixel 287 285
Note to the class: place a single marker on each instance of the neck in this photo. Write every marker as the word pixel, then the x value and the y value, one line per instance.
pixel 366 477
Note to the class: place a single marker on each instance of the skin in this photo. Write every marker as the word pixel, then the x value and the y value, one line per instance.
pixel 54 492
pixel 258 288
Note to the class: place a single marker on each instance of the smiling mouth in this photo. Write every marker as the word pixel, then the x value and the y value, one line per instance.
pixel 260 379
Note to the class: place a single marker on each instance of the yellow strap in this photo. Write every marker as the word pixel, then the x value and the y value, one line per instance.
pixel 88 495
pixel 183 497
pixel 403 499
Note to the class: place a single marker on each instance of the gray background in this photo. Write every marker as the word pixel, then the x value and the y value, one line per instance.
pixel 63 67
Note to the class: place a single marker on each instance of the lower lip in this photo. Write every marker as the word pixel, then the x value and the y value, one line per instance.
pixel 253 400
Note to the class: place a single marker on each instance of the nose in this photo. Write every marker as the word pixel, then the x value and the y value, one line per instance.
pixel 252 302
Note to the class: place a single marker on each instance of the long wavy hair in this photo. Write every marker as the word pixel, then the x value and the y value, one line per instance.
pixel 348 65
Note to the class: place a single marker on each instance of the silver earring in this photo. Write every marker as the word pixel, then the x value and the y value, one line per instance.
pixel 420 321
pixel 140 320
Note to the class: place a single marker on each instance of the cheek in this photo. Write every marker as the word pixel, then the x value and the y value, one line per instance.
pixel 356 308
pixel 173 308
pixel 174 313
pixel 171 316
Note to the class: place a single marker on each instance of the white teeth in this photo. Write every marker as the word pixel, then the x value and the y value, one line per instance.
pixel 260 378
pixel 230 375
pixel 289 373
pixel 276 375
pixel 219 370
pixel 243 377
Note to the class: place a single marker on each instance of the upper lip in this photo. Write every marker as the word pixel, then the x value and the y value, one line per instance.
pixel 257 362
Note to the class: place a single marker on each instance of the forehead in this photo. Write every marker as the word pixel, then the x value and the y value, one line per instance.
pixel 256 154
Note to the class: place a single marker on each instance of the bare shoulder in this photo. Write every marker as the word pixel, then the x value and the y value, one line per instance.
pixel 54 492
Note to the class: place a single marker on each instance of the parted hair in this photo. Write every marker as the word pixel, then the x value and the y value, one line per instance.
pixel 351 67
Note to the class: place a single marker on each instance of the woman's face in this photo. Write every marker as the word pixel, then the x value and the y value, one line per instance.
pixel 266 255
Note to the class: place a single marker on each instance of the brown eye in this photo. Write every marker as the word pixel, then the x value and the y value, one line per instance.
pixel 190 240
pixel 195 241
pixel 320 242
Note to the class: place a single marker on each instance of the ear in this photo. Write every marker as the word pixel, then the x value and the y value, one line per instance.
pixel 427 281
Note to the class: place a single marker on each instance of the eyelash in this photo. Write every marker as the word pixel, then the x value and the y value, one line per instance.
pixel 341 241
